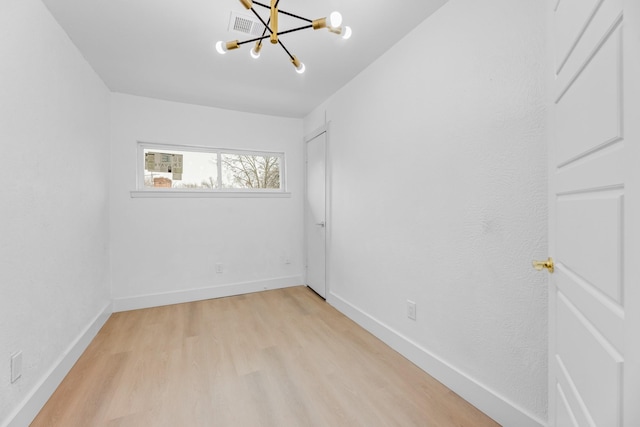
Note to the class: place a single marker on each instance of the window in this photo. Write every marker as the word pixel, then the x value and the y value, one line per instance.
pixel 180 169
pixel 255 171
pixel 183 169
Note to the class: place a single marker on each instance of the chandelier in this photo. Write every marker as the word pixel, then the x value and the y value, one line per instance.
pixel 334 25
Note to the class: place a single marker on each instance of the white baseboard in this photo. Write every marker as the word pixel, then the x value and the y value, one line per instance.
pixel 486 400
pixel 189 295
pixel 24 414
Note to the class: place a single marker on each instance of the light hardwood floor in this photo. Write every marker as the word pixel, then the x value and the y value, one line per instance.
pixel 277 358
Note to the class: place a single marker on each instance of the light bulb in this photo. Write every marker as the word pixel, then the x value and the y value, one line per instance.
pixel 346 33
pixel 297 64
pixel 335 19
pixel 221 47
pixel 254 54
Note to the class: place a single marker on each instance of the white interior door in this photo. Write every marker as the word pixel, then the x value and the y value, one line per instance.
pixel 315 213
pixel 593 298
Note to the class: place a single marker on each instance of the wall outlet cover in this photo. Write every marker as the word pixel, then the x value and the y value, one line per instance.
pixel 411 310
pixel 16 366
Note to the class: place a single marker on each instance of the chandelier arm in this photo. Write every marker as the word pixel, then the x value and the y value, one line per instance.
pixel 282 11
pixel 253 40
pixel 266 25
pixel 295 16
pixel 266 6
pixel 294 30
pixel 285 49
pixel 266 36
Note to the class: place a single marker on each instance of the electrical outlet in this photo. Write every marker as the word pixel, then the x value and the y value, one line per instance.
pixel 411 310
pixel 16 366
pixel 219 268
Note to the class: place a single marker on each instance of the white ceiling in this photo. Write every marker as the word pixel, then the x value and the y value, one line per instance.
pixel 165 49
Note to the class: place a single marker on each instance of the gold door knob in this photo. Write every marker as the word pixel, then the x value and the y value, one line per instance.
pixel 548 264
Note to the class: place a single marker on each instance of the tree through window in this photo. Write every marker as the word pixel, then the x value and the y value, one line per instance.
pixel 250 171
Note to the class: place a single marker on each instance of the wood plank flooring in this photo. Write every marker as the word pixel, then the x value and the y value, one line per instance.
pixel 277 358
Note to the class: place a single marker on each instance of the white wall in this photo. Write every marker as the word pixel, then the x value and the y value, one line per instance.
pixel 165 250
pixel 437 157
pixel 54 124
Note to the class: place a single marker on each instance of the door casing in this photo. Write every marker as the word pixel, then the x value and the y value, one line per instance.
pixel 327 223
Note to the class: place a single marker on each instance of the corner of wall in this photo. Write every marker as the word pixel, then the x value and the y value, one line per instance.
pixel 26 412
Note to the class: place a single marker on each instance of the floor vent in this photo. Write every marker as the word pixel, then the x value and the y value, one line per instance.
pixel 245 24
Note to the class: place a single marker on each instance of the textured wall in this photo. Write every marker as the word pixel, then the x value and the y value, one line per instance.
pixel 165 245
pixel 438 163
pixel 54 124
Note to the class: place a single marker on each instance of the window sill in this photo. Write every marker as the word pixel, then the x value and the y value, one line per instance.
pixel 145 194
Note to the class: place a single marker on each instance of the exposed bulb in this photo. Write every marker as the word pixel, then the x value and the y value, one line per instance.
pixel 346 33
pixel 335 19
pixel 255 54
pixel 221 48
pixel 300 68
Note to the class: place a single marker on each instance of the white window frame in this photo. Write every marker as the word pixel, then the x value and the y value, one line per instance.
pixel 141 191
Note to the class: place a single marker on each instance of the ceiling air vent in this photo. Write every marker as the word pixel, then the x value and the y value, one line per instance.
pixel 245 24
